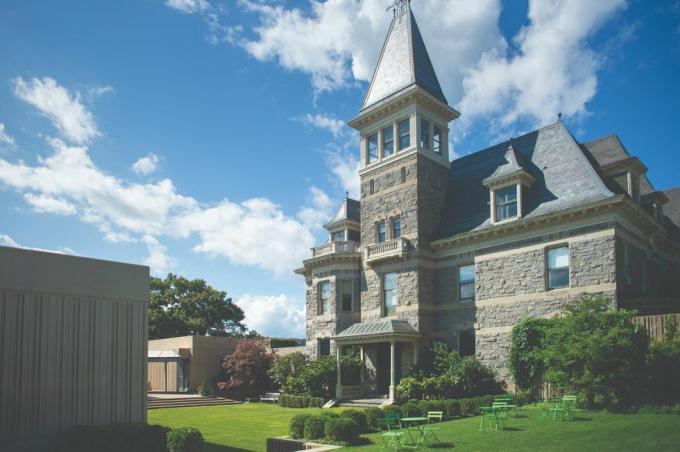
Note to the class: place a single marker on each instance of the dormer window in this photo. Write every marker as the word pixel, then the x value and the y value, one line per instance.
pixel 506 203
pixel 424 134
pixel 437 140
pixel 372 148
pixel 404 134
pixel 388 141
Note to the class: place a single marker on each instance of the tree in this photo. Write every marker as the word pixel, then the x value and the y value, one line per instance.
pixel 597 352
pixel 182 307
pixel 287 366
pixel 525 361
pixel 246 371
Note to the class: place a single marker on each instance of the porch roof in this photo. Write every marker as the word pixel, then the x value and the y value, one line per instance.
pixel 378 330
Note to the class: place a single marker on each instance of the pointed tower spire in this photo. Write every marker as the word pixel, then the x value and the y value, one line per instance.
pixel 404 61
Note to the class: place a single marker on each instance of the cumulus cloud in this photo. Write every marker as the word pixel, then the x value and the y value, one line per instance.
pixel 5 138
pixel 158 259
pixel 49 204
pixel 146 165
pixel 553 70
pixel 63 109
pixel 318 209
pixel 188 6
pixel 6 240
pixel 345 166
pixel 324 122
pixel 274 315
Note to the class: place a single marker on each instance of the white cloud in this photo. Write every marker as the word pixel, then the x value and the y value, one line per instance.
pixel 57 104
pixel 5 138
pixel 273 315
pixel 146 165
pixel 345 167
pixel 98 91
pixel 48 204
pixel 6 240
pixel 188 6
pixel 318 210
pixel 158 259
pixel 324 122
pixel 554 70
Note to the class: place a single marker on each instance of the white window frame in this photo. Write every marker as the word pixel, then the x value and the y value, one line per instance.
pixel 466 282
pixel 549 270
pixel 351 295
pixel 516 202
pixel 321 309
pixel 394 291
pixel 406 121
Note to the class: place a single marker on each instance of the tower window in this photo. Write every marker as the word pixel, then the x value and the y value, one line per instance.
pixel 380 232
pixel 506 203
pixel 372 148
pixel 558 268
pixel 390 294
pixel 324 291
pixel 437 140
pixel 404 134
pixel 338 236
pixel 396 228
pixel 347 296
pixel 403 174
pixel 424 134
pixel 388 141
pixel 466 283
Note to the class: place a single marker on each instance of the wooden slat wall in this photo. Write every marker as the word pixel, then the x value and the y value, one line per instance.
pixel 69 359
pixel 656 324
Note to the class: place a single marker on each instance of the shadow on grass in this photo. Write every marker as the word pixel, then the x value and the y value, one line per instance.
pixel 444 445
pixel 212 447
pixel 513 429
pixel 579 418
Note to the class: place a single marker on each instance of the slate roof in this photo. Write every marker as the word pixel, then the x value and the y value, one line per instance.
pixel 403 62
pixel 350 209
pixel 379 327
pixel 672 208
pixel 514 163
pixel 564 178
pixel 607 150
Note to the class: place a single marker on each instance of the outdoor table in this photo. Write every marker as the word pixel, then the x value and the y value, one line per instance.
pixel 417 422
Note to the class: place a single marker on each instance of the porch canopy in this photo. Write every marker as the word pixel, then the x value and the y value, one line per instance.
pixel 385 330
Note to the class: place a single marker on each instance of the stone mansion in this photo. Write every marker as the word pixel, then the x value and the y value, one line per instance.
pixel 459 251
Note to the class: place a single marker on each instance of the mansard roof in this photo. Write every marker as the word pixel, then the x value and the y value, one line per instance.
pixel 672 208
pixel 564 178
pixel 403 62
pixel 514 167
pixel 349 210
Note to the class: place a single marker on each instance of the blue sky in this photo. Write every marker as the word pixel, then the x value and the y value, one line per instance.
pixel 207 137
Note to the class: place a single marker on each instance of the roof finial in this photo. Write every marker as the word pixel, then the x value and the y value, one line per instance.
pixel 346 194
pixel 559 116
pixel 399 7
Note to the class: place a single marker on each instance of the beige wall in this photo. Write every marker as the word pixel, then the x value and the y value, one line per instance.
pixel 73 335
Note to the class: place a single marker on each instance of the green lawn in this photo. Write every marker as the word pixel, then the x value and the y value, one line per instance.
pixel 246 427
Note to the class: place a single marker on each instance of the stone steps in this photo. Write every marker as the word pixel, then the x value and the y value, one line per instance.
pixel 155 403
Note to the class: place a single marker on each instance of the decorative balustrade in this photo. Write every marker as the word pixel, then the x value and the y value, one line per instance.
pixel 396 248
pixel 335 247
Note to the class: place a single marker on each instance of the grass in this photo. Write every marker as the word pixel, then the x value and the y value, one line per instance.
pixel 246 427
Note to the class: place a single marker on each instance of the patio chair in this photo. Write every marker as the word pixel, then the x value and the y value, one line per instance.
pixel 488 419
pixel 394 435
pixel 556 409
pixel 569 405
pixel 431 428
pixel 502 411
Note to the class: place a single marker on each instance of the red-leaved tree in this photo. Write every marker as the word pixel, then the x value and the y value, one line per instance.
pixel 246 371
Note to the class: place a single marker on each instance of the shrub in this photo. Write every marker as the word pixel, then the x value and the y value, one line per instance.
pixel 285 367
pixel 374 416
pixel 203 389
pixel 316 379
pixel 135 437
pixel 390 409
pixel 597 352
pixel 291 401
pixel 410 409
pixel 359 417
pixel 451 408
pixel 409 388
pixel 341 429
pixel 525 360
pixel 469 407
pixel 246 370
pixel 185 439
pixel 316 402
pixel 314 427
pixel 297 425
pixel 524 398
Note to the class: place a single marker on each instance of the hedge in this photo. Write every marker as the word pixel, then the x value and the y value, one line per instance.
pixel 358 416
pixel 314 427
pixel 185 439
pixel 341 429
pixel 297 425
pixel 293 401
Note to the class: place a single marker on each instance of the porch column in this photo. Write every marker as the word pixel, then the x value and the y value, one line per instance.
pixel 338 387
pixel 362 356
pixel 415 353
pixel 393 373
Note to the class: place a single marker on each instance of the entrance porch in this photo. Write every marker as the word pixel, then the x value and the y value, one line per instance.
pixel 387 348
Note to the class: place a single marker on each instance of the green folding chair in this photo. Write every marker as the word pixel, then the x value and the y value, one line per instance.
pixel 488 419
pixel 429 435
pixel 569 405
pixel 394 435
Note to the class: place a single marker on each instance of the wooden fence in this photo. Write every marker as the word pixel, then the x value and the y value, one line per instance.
pixel 656 324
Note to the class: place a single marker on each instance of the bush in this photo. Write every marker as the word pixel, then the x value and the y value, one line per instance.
pixel 296 428
pixel 469 407
pixel 410 409
pixel 374 416
pixel 291 401
pixel 135 437
pixel 341 429
pixel 314 427
pixel 597 352
pixel 523 398
pixel 451 408
pixel 525 360
pixel 359 417
pixel 246 370
pixel 316 379
pixel 203 389
pixel 185 439
pixel 285 367
pixel 409 388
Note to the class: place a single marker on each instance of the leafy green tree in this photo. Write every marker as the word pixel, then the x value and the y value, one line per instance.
pixel 596 351
pixel 526 344
pixel 287 366
pixel 181 307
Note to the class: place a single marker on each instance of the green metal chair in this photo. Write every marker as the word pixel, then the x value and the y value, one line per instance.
pixel 556 409
pixel 394 435
pixel 488 419
pixel 569 405
pixel 431 428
